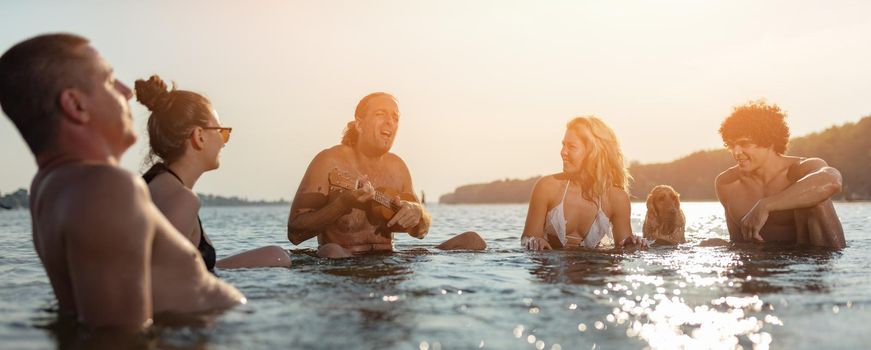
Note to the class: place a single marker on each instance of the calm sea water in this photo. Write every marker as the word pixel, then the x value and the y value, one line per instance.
pixel 504 298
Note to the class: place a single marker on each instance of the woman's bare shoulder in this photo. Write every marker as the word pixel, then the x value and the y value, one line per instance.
pixel 170 196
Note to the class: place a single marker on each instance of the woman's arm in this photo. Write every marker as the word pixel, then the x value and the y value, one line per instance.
pixel 533 231
pixel 181 208
pixel 621 211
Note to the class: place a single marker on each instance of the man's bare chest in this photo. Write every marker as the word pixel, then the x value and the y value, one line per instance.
pixel 744 195
pixel 382 177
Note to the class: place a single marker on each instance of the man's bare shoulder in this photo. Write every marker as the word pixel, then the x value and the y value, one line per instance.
pixel 800 167
pixel 396 161
pixel 97 195
pixel 727 177
pixel 88 180
pixel 330 157
pixel 337 151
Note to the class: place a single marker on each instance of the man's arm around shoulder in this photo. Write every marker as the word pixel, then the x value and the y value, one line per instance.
pixel 815 182
pixel 815 166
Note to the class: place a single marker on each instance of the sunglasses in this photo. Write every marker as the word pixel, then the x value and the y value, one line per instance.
pixel 225 132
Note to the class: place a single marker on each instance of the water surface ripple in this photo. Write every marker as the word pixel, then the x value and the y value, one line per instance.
pixel 504 298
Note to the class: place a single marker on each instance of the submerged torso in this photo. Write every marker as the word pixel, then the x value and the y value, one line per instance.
pixel 744 193
pixel 363 230
pixel 576 221
pixel 179 281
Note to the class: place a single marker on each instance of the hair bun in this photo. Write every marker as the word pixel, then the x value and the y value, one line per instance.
pixel 153 93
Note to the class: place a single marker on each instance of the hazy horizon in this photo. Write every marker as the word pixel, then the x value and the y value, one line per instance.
pixel 484 88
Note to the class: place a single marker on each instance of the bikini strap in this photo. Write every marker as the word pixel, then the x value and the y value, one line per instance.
pixel 157 169
pixel 566 191
pixel 168 170
pixel 601 210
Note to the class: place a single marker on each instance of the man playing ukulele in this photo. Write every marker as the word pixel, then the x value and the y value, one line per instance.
pixel 345 222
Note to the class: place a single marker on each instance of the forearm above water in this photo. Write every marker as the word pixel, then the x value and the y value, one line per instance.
pixel 304 226
pixel 807 192
pixel 423 227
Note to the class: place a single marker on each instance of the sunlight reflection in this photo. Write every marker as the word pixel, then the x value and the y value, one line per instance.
pixel 685 313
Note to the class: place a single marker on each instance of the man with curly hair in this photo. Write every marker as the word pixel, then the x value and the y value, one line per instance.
pixel 771 197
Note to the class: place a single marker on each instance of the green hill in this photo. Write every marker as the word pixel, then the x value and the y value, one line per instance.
pixel 846 147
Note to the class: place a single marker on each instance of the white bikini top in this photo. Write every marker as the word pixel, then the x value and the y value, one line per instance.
pixel 599 232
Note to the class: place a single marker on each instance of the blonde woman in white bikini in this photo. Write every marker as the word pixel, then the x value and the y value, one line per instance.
pixel 587 205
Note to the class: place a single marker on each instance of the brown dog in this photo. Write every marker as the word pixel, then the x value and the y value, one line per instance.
pixel 665 221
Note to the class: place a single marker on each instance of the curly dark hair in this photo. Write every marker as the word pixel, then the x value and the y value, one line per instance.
pixel 764 124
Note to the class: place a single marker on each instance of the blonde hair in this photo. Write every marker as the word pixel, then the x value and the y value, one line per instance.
pixel 603 165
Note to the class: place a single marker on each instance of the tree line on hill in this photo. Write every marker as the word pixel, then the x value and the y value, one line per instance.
pixel 846 147
pixel 209 200
pixel 14 200
pixel 20 199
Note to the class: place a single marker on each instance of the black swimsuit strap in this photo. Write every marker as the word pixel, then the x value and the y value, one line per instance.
pixel 168 170
pixel 157 169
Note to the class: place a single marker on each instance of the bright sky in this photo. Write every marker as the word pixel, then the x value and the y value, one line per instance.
pixel 485 87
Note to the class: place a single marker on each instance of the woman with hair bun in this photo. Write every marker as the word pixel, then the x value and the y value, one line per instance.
pixel 587 204
pixel 185 139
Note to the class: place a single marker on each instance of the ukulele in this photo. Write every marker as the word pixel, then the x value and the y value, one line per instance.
pixel 383 201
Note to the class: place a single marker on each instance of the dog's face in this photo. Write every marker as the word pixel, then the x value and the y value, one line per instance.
pixel 664 202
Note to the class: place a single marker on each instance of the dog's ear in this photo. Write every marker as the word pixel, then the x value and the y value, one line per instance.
pixel 650 207
pixel 676 200
pixel 650 224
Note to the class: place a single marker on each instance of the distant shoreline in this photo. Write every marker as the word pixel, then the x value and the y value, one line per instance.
pixel 20 199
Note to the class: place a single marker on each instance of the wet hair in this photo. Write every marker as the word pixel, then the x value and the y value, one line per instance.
pixel 174 113
pixel 33 73
pixel 764 124
pixel 602 166
pixel 349 136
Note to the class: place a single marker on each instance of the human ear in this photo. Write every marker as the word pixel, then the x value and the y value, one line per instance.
pixel 197 140
pixel 73 106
